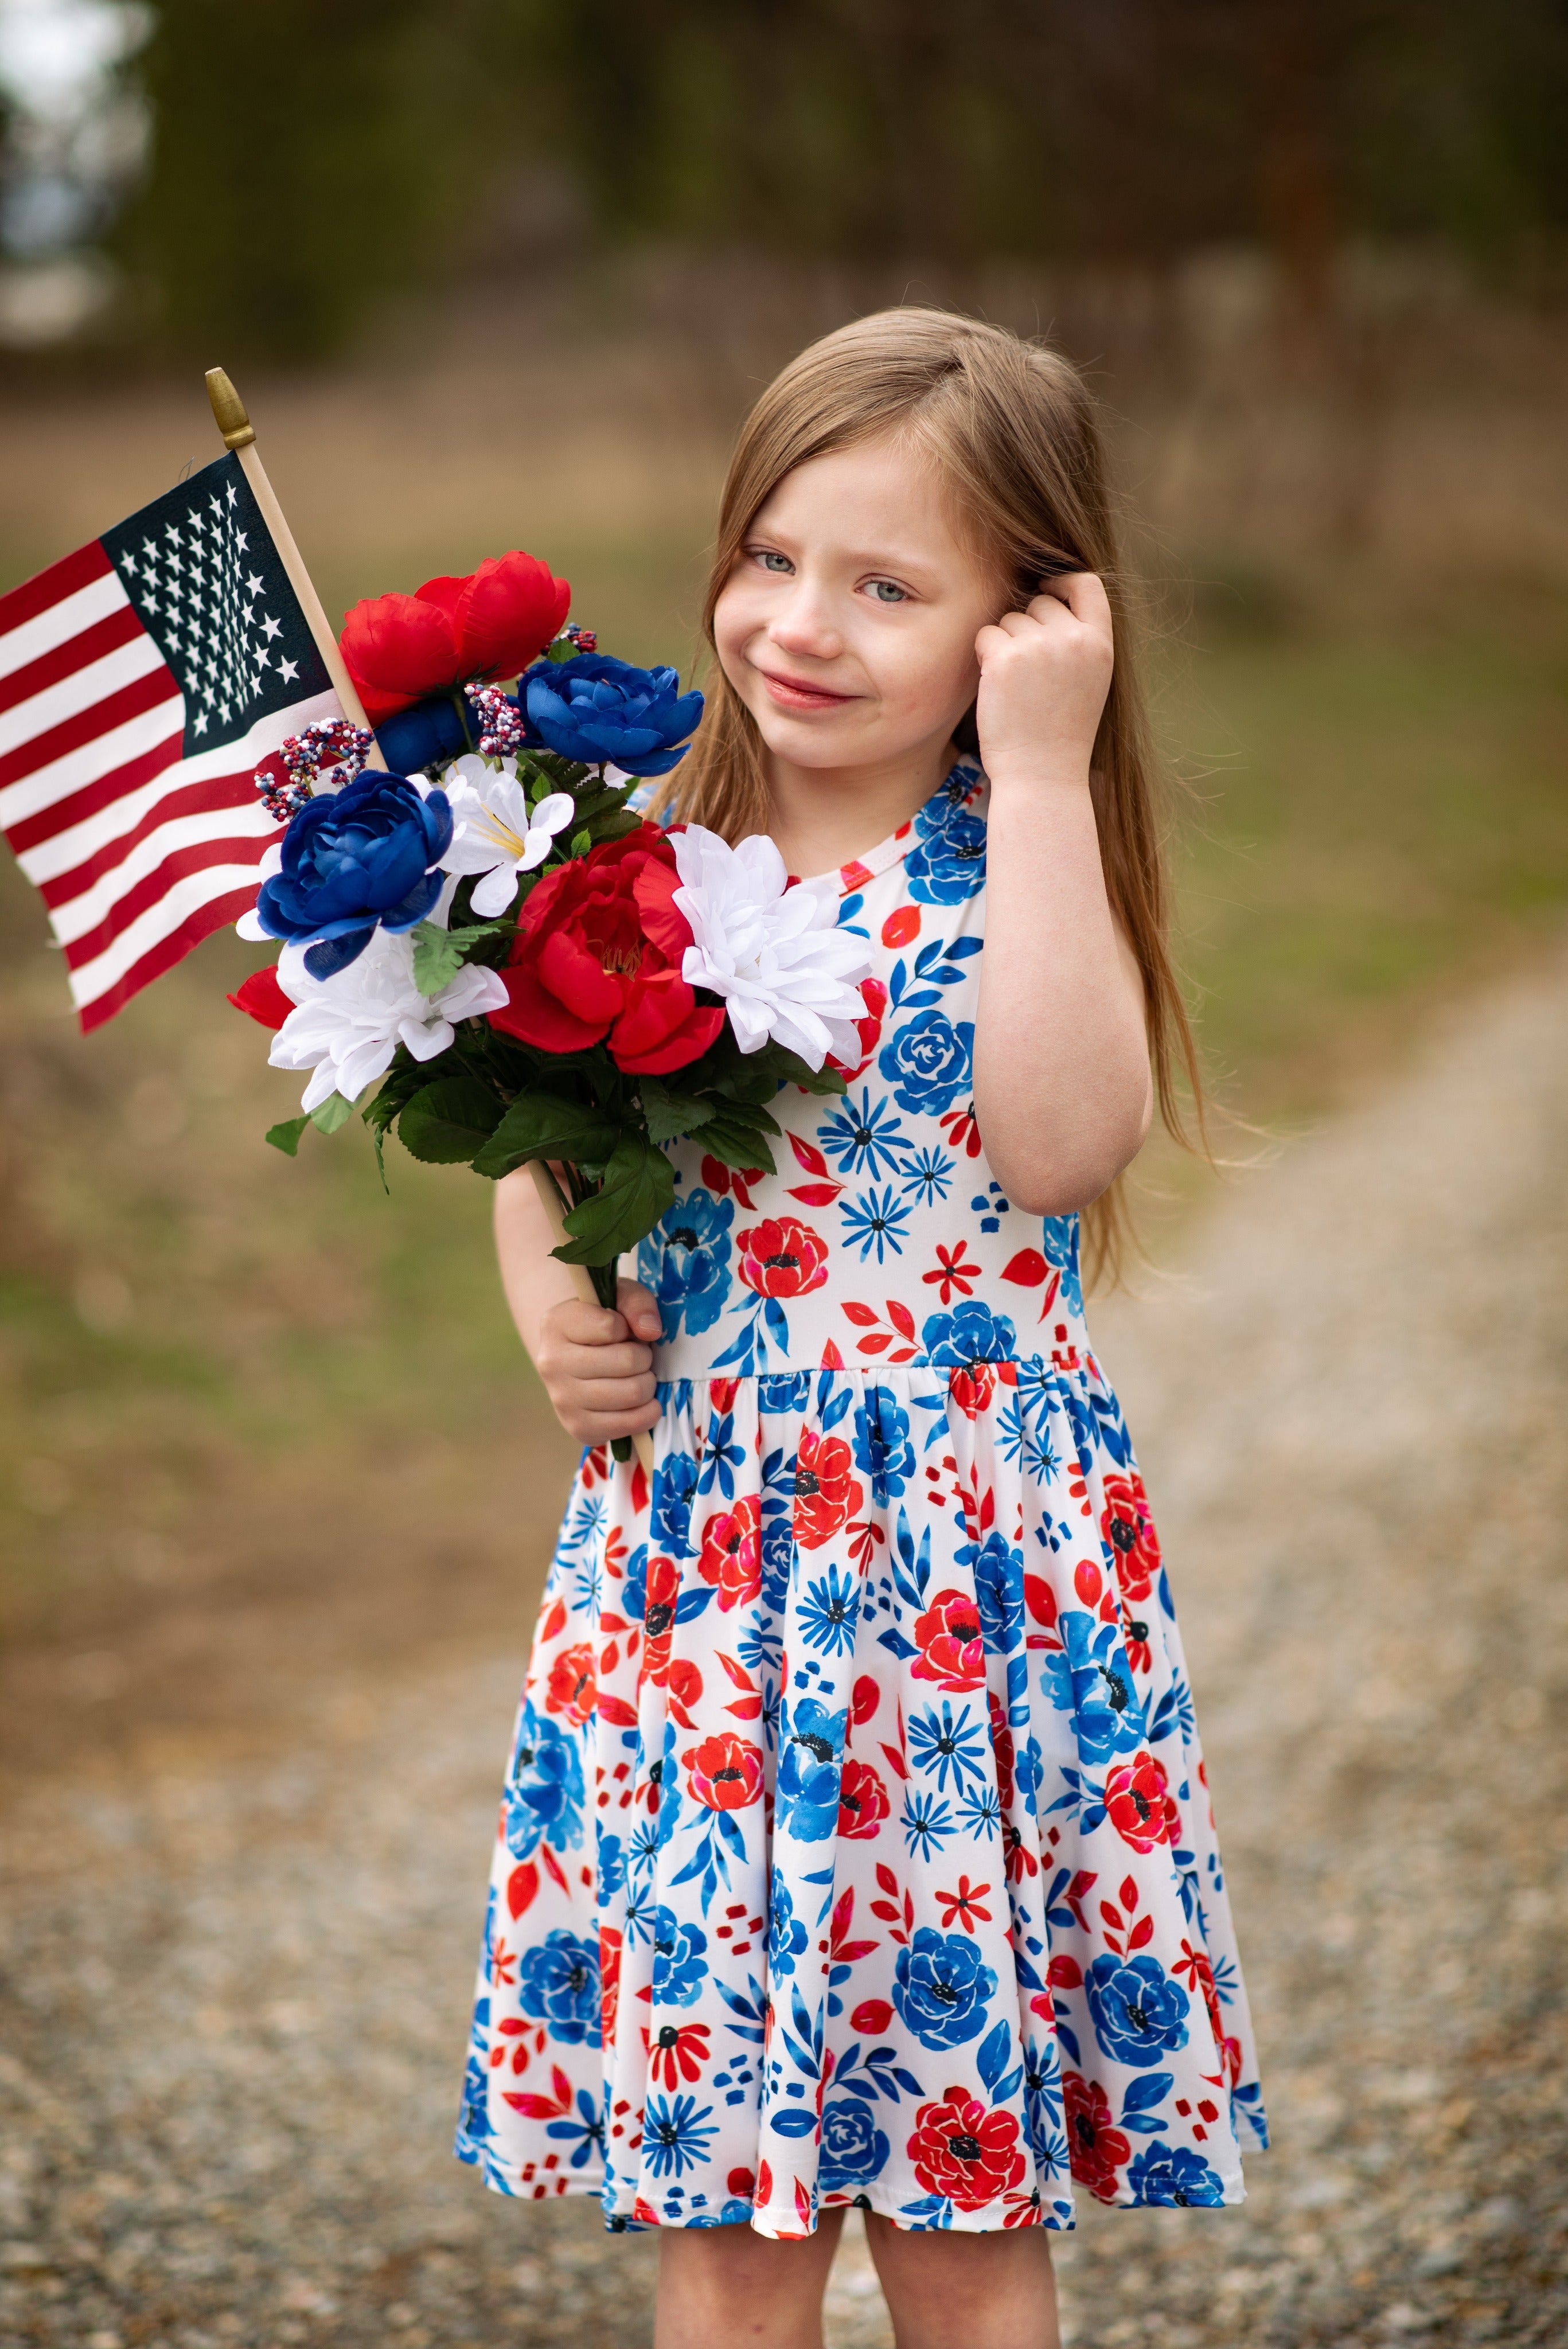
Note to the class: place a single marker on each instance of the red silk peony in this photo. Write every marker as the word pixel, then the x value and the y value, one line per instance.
pixel 262 998
pixel 398 648
pixel 598 955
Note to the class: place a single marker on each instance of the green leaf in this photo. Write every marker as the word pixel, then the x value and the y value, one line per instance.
pixel 437 958
pixel 670 1114
pixel 582 842
pixel 449 1124
pixel 560 648
pixel 287 1136
pixel 542 1125
pixel 791 1070
pixel 740 1146
pixel 639 1186
pixel 333 1112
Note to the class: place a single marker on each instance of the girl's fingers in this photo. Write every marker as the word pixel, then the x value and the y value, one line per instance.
pixel 613 1394
pixel 604 1426
pixel 640 1311
pixel 1082 593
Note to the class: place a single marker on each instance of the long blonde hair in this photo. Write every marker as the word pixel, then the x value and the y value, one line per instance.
pixel 1013 430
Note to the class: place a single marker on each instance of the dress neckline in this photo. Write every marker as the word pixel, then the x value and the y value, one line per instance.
pixel 861 870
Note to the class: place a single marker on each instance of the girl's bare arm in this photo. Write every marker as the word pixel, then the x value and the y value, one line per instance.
pixel 597 1366
pixel 1062 1091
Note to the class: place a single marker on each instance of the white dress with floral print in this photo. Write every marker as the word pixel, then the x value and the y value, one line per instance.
pixel 855 1844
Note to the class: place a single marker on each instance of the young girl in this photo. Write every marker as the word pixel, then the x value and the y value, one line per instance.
pixel 856 1847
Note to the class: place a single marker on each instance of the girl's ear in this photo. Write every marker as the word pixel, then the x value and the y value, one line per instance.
pixel 966 733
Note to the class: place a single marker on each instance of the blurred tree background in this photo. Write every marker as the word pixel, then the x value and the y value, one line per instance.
pixel 507 272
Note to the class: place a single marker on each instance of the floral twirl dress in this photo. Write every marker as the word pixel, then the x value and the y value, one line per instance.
pixel 855 1844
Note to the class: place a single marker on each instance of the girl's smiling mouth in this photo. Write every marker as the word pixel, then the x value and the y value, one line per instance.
pixel 796 693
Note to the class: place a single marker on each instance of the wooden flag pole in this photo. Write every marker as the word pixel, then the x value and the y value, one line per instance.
pixel 239 434
pixel 582 1280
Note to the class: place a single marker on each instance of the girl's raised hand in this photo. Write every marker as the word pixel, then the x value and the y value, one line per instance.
pixel 1043 677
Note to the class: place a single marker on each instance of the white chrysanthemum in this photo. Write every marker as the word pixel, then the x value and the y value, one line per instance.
pixel 347 1028
pixel 770 950
pixel 497 833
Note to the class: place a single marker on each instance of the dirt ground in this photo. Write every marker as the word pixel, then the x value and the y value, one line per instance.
pixel 237 1933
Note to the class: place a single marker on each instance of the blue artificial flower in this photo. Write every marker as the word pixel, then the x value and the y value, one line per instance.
pixel 685 1261
pixel 1092 1679
pixel 854 2149
pixel 941 1988
pixel 1173 2175
pixel 828 1609
pixel 429 733
pixel 544 1793
pixel 674 1483
pixel 1059 1246
pixel 997 1571
pixel 971 1334
pixel 876 1222
pixel 811 1751
pixel 1138 2011
pixel 354 858
pixel 673 2136
pixel 865 1141
pixel 559 1985
pixel 596 707
pixel 947 863
pixel 928 1061
pixel 679 1968
pixel 787 1937
pixel 883 1452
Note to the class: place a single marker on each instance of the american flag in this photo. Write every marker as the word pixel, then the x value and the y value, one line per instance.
pixel 143 679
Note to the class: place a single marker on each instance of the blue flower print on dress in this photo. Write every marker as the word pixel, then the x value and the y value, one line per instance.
pixel 686 1262
pixel 679 1965
pixel 947 863
pixel 869 1139
pixel 787 1937
pixel 854 2149
pixel 811 1747
pixel 1138 2010
pixel 476 2099
pixel 675 2135
pixel 611 1867
pixel 928 1061
pixel 674 1488
pixel 1174 2178
pixel 544 1800
pixel 559 1985
pixel 883 1452
pixel 971 1334
pixel 997 1571
pixel 1059 1246
pixel 1093 1680
pixel 941 1987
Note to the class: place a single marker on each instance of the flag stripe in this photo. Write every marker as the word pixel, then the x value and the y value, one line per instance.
pixel 72 696
pixel 94 1010
pixel 91 979
pixel 60 868
pixel 122 769
pixel 64 660
pixel 174 855
pixel 30 640
pixel 52 587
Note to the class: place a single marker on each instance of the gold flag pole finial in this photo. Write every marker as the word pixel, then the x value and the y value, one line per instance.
pixel 229 409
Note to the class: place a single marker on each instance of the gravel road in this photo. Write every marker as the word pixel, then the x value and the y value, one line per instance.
pixel 234 1982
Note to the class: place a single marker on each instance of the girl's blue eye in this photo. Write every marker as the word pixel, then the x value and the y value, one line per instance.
pixel 888 591
pixel 772 561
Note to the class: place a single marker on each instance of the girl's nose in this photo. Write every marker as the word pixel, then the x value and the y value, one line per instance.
pixel 805 626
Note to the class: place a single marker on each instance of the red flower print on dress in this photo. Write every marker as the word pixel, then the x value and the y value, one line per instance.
pixel 862 1802
pixel 826 1496
pixel 609 1981
pixel 1096 2151
pixel 570 1689
pixel 1139 1802
pixel 953 1271
pixel 677 2052
pixel 659 1622
pixel 948 1636
pixel 725 1772
pixel 965 2153
pixel 1128 1527
pixel 782 1257
pixel 732 1553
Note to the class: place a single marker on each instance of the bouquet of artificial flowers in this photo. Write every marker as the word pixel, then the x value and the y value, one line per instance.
pixel 493 940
